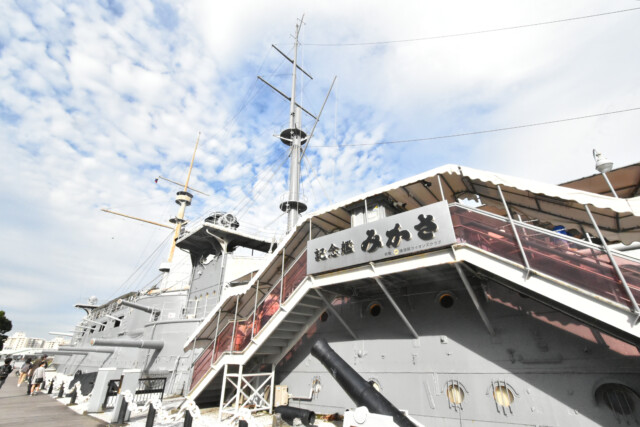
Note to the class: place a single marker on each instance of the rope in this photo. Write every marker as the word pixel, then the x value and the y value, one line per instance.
pixel 476 32
pixel 456 135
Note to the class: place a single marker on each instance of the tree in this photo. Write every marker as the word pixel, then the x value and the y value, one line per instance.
pixel 5 326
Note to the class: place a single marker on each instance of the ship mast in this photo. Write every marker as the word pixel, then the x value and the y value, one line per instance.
pixel 293 205
pixel 295 137
pixel 183 199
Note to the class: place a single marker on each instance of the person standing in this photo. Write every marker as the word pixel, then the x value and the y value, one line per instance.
pixel 37 378
pixel 24 371
pixel 5 370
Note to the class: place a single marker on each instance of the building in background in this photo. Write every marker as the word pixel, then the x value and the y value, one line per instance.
pixel 56 342
pixel 19 341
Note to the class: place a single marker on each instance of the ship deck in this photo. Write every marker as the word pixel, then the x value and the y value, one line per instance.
pixel 16 408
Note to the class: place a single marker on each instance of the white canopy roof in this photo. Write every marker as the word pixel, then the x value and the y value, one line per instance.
pixel 618 219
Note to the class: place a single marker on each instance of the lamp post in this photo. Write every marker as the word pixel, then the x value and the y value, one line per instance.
pixel 604 165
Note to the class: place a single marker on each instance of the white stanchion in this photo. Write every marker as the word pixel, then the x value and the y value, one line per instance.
pixel 162 415
pixel 79 396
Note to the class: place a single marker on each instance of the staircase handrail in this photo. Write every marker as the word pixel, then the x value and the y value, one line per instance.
pixel 222 328
pixel 295 261
pixel 549 233
pixel 594 261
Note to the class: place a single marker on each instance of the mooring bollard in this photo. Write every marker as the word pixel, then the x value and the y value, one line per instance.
pixel 50 387
pixel 188 419
pixel 61 391
pixel 123 412
pixel 151 416
pixel 74 395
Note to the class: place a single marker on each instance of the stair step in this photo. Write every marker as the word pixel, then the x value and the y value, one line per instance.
pixel 295 321
pixel 308 305
pixel 298 317
pixel 269 350
pixel 277 342
pixel 285 335
pixel 289 327
pixel 312 299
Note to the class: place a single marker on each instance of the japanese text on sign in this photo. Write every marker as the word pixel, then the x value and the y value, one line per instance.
pixel 412 231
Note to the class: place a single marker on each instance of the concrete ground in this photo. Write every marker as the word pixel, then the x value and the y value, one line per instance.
pixel 18 409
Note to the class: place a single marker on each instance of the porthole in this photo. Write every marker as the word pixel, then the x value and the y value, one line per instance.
pixel 446 299
pixel 455 394
pixel 374 309
pixel 618 398
pixel 324 316
pixel 503 396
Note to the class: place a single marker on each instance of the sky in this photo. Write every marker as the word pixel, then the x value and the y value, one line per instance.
pixel 98 99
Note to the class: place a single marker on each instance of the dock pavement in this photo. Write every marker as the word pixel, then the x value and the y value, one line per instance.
pixel 42 410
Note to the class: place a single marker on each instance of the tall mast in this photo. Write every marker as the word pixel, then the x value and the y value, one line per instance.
pixel 296 145
pixel 294 137
pixel 183 199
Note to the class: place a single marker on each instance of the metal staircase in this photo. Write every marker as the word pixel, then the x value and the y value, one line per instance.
pixel 267 335
pixel 291 328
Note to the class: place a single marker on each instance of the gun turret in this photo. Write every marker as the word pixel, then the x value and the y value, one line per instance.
pixel 85 349
pixel 66 353
pixel 138 306
pixel 152 344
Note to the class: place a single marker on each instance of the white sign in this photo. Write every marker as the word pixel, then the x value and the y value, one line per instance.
pixel 417 230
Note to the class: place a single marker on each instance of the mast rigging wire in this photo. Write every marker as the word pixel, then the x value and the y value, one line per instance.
pixel 259 180
pixel 237 190
pixel 479 132
pixel 470 33
pixel 250 94
pixel 265 183
pixel 124 283
pixel 311 169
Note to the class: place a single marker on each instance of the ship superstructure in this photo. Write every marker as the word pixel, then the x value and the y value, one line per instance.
pixel 451 294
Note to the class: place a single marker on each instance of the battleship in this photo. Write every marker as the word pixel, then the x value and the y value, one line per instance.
pixel 455 297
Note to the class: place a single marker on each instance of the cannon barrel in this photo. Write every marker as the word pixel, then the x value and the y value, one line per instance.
pixel 137 306
pixel 359 390
pixel 152 344
pixel 289 413
pixel 86 349
pixel 65 353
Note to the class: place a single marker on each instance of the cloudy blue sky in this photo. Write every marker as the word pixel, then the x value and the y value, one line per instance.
pixel 99 98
